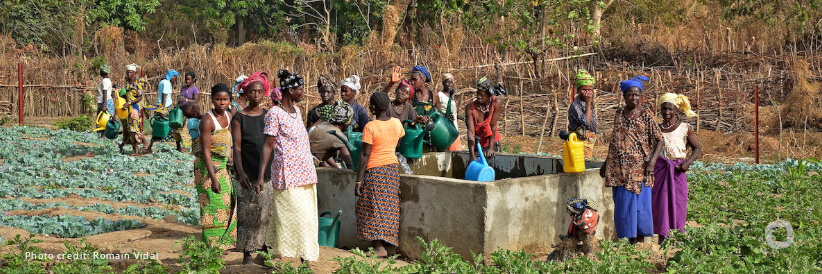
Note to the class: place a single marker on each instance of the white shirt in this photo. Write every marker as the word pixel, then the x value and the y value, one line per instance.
pixel 104 90
pixel 164 89
pixel 444 107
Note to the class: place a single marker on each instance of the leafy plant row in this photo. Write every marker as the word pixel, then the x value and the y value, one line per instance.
pixel 67 226
pixel 188 216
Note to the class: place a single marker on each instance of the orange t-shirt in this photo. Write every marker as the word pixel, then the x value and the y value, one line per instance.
pixel 383 137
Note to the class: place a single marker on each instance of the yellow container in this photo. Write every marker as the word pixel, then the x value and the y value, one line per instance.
pixel 102 120
pixel 573 155
pixel 118 105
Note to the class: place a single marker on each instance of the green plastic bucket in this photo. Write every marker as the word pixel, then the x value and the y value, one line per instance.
pixel 329 231
pixel 411 143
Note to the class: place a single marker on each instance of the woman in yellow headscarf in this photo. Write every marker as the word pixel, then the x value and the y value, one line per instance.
pixel 670 193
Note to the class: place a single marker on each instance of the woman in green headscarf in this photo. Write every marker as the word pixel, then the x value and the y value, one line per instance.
pixel 581 113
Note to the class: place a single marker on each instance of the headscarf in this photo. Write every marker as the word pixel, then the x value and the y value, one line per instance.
pixel 171 73
pixel 132 67
pixel 406 83
pixel 633 82
pixel 485 84
pixel 679 100
pixel 342 113
pixel 422 71
pixel 259 76
pixel 326 111
pixel 236 88
pixel 446 76
pixel 325 81
pixel 584 79
pixel 105 69
pixel 380 100
pixel 289 80
pixel 352 82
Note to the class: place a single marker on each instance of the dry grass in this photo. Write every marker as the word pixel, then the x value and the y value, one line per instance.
pixel 802 108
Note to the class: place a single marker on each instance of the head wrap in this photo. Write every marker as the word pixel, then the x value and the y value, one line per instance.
pixel 342 113
pixel 633 82
pixel 325 81
pixel 352 82
pixel 422 71
pixel 485 84
pixel 132 67
pixel 105 69
pixel 584 79
pixel 380 100
pixel 680 101
pixel 325 112
pixel 259 76
pixel 220 88
pixel 289 80
pixel 236 88
pixel 446 76
pixel 171 73
pixel 406 83
pixel 276 94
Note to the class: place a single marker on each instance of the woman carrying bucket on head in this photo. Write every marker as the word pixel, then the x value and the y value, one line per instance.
pixel 293 231
pixel 482 118
pixel 378 181
pixel 253 205
pixel 636 143
pixel 211 174
pixel 670 192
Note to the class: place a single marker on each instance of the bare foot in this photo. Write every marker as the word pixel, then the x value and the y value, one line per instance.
pixel 381 252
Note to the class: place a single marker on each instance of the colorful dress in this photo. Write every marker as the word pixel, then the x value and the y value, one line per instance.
pixel 294 224
pixel 378 206
pixel 132 134
pixel 253 209
pixel 670 192
pixel 217 209
pixel 632 144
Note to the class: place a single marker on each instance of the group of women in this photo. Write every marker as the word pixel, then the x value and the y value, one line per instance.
pixel 646 161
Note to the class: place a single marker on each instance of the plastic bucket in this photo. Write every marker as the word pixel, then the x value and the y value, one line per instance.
pixel 573 155
pixel 478 170
pixel 159 127
pixel 329 230
pixel 444 132
pixel 411 143
pixel 175 118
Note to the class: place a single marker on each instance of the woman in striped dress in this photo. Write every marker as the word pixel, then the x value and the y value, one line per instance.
pixel 378 181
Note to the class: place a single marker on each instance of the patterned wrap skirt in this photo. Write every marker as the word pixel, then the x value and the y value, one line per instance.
pixel 253 217
pixel 216 209
pixel 378 207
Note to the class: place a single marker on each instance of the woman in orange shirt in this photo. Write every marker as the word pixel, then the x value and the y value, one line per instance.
pixel 378 181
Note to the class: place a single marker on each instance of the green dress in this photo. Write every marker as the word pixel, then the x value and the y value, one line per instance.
pixel 217 209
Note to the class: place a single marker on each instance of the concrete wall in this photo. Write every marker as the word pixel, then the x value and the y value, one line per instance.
pixel 524 211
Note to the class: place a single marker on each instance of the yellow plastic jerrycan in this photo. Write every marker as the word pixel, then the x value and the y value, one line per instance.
pixel 573 155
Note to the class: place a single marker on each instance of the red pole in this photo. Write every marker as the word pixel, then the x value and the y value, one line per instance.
pixel 20 90
pixel 573 93
pixel 756 123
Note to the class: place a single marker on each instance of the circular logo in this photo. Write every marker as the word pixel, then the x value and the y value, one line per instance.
pixel 769 238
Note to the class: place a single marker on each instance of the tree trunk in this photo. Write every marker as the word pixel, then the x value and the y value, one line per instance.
pixel 240 30
pixel 597 18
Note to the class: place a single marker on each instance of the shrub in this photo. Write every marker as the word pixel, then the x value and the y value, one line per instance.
pixel 80 123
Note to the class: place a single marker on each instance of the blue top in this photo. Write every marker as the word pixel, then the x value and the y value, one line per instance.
pixel 360 116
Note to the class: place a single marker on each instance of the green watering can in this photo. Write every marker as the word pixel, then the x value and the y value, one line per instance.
pixel 175 118
pixel 159 127
pixel 353 143
pixel 444 133
pixel 112 129
pixel 329 230
pixel 411 143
